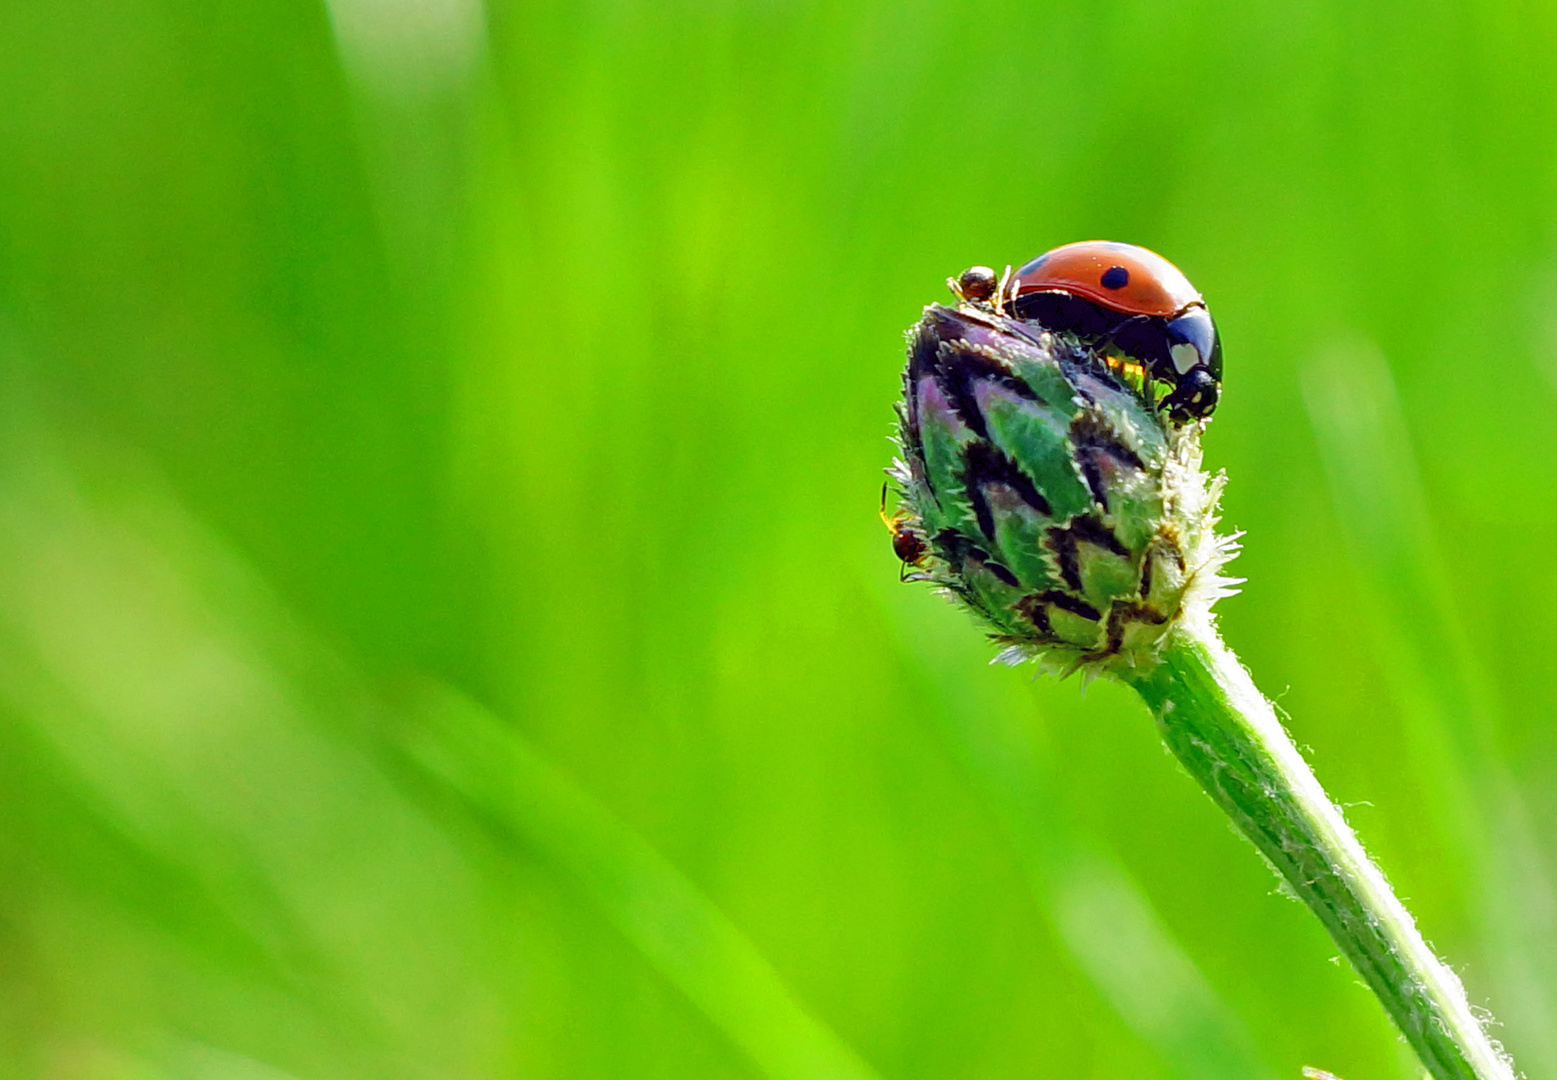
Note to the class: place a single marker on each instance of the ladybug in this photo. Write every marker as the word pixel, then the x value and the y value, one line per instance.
pixel 1135 301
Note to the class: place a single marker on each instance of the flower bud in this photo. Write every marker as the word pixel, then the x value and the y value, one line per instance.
pixel 1041 487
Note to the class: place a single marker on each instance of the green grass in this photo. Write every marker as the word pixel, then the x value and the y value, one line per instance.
pixel 537 369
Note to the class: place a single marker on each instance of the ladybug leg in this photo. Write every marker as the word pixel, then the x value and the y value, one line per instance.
pixel 1147 364
pixel 1108 339
pixel 1194 396
pixel 1141 338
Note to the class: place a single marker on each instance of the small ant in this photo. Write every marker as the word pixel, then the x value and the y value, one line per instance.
pixel 979 285
pixel 907 542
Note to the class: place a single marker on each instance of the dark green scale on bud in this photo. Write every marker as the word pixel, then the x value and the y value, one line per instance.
pixel 1048 495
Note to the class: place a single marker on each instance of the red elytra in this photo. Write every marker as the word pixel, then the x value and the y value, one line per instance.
pixel 1123 277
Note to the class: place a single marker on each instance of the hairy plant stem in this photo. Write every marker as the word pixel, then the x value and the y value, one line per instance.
pixel 1227 735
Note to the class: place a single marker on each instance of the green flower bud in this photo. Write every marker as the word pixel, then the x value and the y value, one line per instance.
pixel 1041 486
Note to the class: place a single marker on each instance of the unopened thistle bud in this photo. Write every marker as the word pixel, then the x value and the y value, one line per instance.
pixel 1044 486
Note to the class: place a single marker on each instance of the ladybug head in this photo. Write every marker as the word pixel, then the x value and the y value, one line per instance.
pixel 1193 342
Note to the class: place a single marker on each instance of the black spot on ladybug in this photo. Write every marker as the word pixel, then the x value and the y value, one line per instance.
pixel 1116 277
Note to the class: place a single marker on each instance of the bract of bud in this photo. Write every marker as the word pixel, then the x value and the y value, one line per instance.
pixel 1043 490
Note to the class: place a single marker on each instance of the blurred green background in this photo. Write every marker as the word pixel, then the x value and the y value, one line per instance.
pixel 445 628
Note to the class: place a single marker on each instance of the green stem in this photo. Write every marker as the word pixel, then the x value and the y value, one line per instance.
pixel 1226 734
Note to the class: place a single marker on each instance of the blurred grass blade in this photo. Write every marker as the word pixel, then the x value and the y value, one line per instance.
pixel 1434 673
pixel 1379 498
pixel 523 799
pixel 1383 514
pixel 399 49
pixel 1097 911
pixel 195 745
pixel 177 779
pixel 1143 972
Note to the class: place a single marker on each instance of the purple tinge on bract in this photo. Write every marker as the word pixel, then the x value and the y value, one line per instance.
pixel 1042 487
